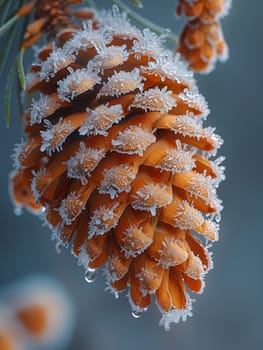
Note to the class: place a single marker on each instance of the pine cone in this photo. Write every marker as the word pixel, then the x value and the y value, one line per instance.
pixel 202 42
pixel 51 17
pixel 117 162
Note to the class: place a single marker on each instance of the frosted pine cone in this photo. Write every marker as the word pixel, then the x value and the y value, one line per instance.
pixel 117 162
pixel 202 42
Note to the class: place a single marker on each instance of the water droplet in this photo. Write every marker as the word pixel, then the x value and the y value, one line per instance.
pixel 43 209
pixel 137 313
pixel 90 275
pixel 18 211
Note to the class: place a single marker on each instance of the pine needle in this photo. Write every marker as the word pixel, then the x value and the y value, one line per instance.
pixel 8 93
pixel 137 3
pixel 6 48
pixel 8 24
pixel 20 68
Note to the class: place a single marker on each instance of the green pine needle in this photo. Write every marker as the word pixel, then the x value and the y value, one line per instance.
pixel 8 24
pixel 6 48
pixel 137 3
pixel 20 69
pixel 7 97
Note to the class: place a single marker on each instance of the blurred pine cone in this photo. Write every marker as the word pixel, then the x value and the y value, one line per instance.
pixel 116 161
pixel 202 42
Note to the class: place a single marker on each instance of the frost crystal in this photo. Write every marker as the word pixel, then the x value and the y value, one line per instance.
pixel 152 196
pixel 117 23
pixel 175 316
pixel 186 125
pixel 111 56
pixel 177 160
pixel 42 108
pixel 187 217
pixel 83 162
pixel 170 66
pixel 57 60
pixel 102 220
pixel 150 44
pixel 203 187
pixel 133 140
pixel 35 188
pixel 135 241
pixel 194 99
pixel 121 83
pixel 117 179
pixel 101 119
pixel 154 100
pixel 78 82
pixel 86 38
pixel 70 208
pixel 20 151
pixel 55 135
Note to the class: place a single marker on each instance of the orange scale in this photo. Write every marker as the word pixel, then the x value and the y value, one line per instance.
pixel 195 39
pixel 221 47
pixel 118 264
pixel 155 80
pixel 163 295
pixel 215 7
pixel 26 9
pixel 200 204
pixel 199 250
pixel 158 151
pixel 192 267
pixel 202 143
pixel 140 300
pixel 95 245
pixel 81 233
pixel 177 289
pixel 148 273
pixel 66 232
pixel 30 154
pixel 99 261
pixel 33 32
pixel 183 107
pixel 121 284
pixel 207 16
pixel 151 188
pixel 195 285
pixel 207 53
pixel 191 55
pixel 83 14
pixel 64 35
pixel 44 52
pixel 119 40
pixel 204 165
pixel 193 10
pixel 21 190
pixel 200 66
pixel 135 231
pixel 168 247
pixel 84 56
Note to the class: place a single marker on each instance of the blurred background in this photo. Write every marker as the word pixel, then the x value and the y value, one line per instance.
pixel 228 315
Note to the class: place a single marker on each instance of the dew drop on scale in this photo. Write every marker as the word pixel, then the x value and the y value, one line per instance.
pixel 18 211
pixel 90 275
pixel 137 313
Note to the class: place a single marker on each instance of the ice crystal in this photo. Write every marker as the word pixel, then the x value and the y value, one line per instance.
pixel 133 140
pixel 154 99
pixel 101 119
pixel 121 83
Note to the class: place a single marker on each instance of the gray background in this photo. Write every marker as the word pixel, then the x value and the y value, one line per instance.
pixel 229 313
